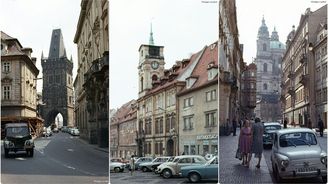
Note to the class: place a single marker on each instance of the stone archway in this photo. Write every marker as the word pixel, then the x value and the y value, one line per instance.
pixel 51 116
pixel 169 147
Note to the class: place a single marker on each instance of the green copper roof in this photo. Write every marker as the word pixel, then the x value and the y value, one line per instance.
pixel 277 45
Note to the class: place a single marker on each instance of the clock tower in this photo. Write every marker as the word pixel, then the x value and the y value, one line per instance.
pixel 151 65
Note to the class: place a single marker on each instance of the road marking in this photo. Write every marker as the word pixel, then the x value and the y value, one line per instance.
pixel 20 158
pixel 71 150
pixel 100 181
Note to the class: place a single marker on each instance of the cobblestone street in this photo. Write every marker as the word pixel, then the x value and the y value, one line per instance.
pixel 231 170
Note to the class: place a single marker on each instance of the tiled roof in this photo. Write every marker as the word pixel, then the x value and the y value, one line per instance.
pixel 200 72
pixel 5 36
pixel 14 49
pixel 125 112
pixel 173 73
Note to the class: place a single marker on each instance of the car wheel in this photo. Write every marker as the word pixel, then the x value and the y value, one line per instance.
pixel 31 153
pixel 117 169
pixel 6 153
pixel 167 173
pixel 144 169
pixel 324 179
pixel 194 177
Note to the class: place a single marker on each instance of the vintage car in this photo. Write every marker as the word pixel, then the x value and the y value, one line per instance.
pixel 150 166
pixel 269 129
pixel 116 166
pixel 169 169
pixel 142 160
pixel 18 138
pixel 296 153
pixel 206 171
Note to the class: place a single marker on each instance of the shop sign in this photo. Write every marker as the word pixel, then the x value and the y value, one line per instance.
pixel 205 142
pixel 213 136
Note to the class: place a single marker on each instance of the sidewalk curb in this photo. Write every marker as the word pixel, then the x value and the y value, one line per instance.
pixel 93 145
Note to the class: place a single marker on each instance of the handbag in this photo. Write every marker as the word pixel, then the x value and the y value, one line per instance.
pixel 238 154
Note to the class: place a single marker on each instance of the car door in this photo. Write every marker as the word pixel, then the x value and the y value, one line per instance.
pixel 211 170
pixel 274 148
pixel 183 162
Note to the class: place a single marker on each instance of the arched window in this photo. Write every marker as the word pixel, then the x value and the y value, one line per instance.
pixel 265 67
pixel 265 86
pixel 264 47
pixel 154 78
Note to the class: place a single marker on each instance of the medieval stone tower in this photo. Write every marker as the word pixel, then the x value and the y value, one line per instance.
pixel 57 92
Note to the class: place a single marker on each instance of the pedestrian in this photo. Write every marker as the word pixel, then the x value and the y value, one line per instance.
pixel 320 124
pixel 228 131
pixel 257 143
pixel 132 165
pixel 240 123
pixel 245 142
pixel 234 126
pixel 310 124
pixel 285 123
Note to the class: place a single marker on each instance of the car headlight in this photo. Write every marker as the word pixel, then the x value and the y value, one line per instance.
pixel 323 160
pixel 7 142
pixel 29 142
pixel 284 163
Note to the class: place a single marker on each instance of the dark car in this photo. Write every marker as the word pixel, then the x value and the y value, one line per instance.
pixel 269 129
pixel 18 138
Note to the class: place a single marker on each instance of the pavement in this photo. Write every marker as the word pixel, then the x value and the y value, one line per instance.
pixel 230 168
pixel 58 159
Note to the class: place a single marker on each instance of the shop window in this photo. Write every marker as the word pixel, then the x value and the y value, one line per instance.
pixel 186 149
pixel 193 150
pixel 214 149
pixel 205 149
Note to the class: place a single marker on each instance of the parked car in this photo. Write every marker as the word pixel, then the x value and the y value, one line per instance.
pixel 116 166
pixel 296 153
pixel 150 166
pixel 55 130
pixel 18 138
pixel 169 169
pixel 142 160
pixel 75 132
pixel 64 129
pixel 206 171
pixel 269 129
pixel 169 160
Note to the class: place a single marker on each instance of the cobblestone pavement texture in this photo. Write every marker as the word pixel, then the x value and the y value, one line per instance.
pixel 230 168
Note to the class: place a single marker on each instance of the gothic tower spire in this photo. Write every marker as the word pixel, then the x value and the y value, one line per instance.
pixel 57 48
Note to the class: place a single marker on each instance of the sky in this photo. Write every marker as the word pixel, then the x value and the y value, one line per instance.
pixel 32 22
pixel 280 13
pixel 182 27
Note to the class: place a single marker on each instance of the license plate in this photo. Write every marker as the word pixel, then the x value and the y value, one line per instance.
pixel 306 169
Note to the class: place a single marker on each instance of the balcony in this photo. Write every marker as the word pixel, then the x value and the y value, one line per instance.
pixel 290 74
pixel 291 90
pixel 304 78
pixel 303 59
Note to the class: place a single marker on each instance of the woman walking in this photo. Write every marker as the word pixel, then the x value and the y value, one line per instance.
pixel 257 143
pixel 245 142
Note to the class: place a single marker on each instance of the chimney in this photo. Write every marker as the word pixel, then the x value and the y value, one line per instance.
pixel 27 51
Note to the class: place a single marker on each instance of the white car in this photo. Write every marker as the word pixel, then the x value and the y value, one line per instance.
pixel 116 166
pixel 75 132
pixel 296 153
pixel 169 169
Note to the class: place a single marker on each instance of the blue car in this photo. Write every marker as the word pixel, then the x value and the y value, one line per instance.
pixel 208 171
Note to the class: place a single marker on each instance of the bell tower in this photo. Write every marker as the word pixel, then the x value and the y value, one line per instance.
pixel 151 65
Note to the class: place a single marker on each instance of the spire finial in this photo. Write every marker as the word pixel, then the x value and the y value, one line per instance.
pixel 151 39
pixel 263 21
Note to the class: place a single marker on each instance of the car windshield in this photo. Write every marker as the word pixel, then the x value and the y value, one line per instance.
pixel 176 160
pixel 297 139
pixel 272 127
pixel 170 159
pixel 17 131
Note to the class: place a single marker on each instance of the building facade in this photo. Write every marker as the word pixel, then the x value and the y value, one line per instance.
pixel 124 128
pixel 268 61
pixel 320 56
pixel 91 82
pixel 231 64
pixel 18 79
pixel 57 91
pixel 248 91
pixel 299 71
pixel 198 106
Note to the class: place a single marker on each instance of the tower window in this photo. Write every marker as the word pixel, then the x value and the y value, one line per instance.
pixel 265 86
pixel 264 47
pixel 154 78
pixel 265 67
pixel 141 84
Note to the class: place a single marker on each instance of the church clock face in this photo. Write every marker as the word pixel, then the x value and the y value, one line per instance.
pixel 154 65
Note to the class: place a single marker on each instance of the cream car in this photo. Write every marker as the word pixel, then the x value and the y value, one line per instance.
pixel 169 169
pixel 296 153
